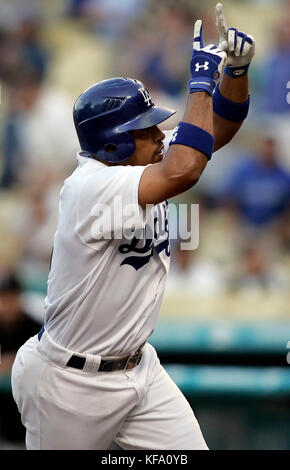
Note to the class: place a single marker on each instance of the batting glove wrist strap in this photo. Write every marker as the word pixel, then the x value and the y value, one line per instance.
pixel 201 84
pixel 195 137
pixel 229 109
pixel 236 72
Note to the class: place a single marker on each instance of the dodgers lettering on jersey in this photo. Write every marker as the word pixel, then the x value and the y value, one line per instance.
pixel 157 241
pixel 104 294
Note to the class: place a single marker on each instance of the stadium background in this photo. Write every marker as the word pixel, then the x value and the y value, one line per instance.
pixel 225 320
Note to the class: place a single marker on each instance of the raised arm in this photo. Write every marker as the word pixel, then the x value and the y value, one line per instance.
pixel 231 98
pixel 193 142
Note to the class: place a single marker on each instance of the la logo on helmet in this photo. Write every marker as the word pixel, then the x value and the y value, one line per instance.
pixel 146 95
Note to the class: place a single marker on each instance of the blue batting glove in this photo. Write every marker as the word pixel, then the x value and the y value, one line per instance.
pixel 206 65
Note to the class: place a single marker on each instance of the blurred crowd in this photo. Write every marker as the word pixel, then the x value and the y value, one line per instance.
pixel 50 52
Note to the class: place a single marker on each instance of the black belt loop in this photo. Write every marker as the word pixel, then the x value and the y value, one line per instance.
pixel 78 362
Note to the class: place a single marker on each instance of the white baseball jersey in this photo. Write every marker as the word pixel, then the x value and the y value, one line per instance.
pixel 104 295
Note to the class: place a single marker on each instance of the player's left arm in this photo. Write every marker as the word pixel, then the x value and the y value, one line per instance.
pixel 235 90
pixel 231 96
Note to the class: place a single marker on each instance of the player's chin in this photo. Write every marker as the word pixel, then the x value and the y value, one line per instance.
pixel 157 157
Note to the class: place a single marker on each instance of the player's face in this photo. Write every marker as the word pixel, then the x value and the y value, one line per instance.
pixel 149 146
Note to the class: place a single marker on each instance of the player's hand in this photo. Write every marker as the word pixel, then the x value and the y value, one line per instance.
pixel 240 46
pixel 206 65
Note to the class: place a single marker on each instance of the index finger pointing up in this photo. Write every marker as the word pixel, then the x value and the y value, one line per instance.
pixel 197 35
pixel 221 23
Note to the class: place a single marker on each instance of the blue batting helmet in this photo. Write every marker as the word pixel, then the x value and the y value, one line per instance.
pixel 106 112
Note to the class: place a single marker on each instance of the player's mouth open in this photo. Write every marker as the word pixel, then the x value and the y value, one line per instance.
pixel 160 152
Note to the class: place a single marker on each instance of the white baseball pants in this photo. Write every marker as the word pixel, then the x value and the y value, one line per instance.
pixel 66 408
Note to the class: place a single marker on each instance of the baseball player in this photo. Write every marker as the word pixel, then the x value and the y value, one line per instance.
pixel 90 376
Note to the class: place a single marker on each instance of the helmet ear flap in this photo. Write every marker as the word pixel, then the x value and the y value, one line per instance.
pixel 118 148
pixel 109 144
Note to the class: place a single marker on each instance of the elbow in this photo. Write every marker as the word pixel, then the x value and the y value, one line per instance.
pixel 232 133
pixel 222 139
pixel 193 175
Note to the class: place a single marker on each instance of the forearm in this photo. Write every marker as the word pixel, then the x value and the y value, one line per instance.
pixel 184 160
pixel 199 111
pixel 237 91
pixel 193 142
pixel 231 98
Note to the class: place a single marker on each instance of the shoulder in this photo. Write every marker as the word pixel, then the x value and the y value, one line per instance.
pixel 91 171
pixel 96 181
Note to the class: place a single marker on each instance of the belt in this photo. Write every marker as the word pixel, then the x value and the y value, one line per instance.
pixel 124 363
